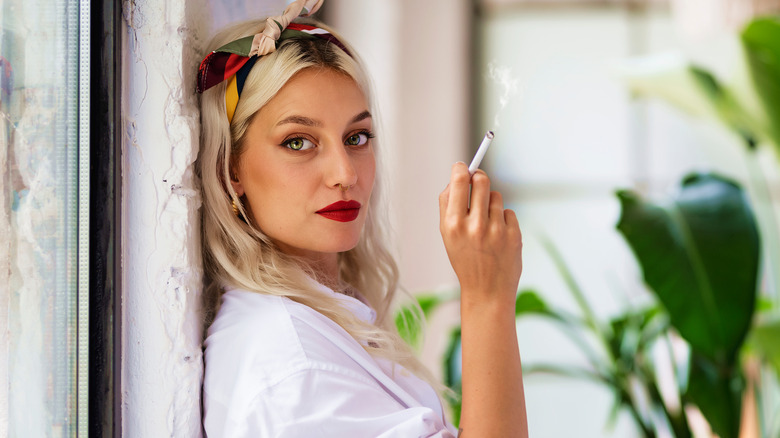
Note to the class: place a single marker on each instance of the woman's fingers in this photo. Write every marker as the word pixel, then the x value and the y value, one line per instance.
pixel 454 200
pixel 458 201
pixel 511 220
pixel 444 198
pixel 480 196
pixel 479 222
pixel 496 208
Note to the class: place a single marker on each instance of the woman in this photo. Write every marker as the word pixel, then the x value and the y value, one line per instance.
pixel 302 343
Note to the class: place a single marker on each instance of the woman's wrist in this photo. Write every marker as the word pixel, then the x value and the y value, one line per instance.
pixel 487 299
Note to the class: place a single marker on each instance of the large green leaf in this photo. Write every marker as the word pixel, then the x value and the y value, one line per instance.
pixel 751 110
pixel 761 39
pixel 726 106
pixel 667 77
pixel 700 255
pixel 717 391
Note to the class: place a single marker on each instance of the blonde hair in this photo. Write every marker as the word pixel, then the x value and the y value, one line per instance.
pixel 241 255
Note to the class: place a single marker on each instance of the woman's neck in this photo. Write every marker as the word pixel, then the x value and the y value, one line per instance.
pixel 324 265
pixel 326 270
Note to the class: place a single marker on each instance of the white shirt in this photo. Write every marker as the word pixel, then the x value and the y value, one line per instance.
pixel 277 368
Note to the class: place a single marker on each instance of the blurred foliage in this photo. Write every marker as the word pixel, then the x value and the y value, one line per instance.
pixel 750 110
pixel 749 106
pixel 700 255
pixel 689 250
pixel 761 39
pixel 699 252
pixel 409 318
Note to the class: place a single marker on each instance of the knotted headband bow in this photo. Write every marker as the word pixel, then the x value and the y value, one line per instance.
pixel 234 60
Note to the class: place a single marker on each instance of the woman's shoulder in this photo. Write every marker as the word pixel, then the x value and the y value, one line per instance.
pixel 258 340
pixel 259 328
pixel 244 312
pixel 253 337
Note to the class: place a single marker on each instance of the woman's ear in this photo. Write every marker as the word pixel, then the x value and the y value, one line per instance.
pixel 236 184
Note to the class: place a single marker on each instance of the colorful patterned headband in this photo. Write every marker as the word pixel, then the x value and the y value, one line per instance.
pixel 234 60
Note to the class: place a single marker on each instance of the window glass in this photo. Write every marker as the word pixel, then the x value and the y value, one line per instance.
pixel 38 216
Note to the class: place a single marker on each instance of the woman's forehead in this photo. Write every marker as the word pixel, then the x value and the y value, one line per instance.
pixel 313 95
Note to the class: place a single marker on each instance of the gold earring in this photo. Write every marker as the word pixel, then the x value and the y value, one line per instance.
pixel 235 208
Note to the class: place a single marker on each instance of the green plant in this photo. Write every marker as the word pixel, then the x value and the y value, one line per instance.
pixel 689 249
pixel 699 253
pixel 749 106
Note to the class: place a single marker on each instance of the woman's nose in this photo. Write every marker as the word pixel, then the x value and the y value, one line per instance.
pixel 341 171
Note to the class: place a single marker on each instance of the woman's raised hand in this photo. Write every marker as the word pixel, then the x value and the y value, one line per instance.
pixel 483 240
pixel 484 245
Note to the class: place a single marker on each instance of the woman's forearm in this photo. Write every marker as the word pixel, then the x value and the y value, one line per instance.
pixel 493 399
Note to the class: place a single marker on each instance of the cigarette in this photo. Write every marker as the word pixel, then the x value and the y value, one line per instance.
pixel 483 147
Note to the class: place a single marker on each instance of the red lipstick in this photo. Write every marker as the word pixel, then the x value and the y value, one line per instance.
pixel 341 211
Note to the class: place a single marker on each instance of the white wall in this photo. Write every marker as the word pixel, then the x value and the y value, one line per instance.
pixel 433 130
pixel 161 266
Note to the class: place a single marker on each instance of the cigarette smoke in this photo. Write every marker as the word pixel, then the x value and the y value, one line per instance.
pixel 509 85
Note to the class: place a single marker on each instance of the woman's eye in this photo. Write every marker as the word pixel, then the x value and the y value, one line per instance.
pixel 358 139
pixel 299 144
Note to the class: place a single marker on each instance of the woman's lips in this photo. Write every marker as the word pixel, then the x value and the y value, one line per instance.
pixel 341 211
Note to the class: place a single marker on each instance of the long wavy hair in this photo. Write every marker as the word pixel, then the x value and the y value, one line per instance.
pixel 239 254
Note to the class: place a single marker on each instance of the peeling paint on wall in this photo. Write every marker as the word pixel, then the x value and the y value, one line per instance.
pixel 162 364
pixel 162 273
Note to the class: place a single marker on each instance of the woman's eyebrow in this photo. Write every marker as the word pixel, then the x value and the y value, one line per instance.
pixel 299 120
pixel 362 116
pixel 308 121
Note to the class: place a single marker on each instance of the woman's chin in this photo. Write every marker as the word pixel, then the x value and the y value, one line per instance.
pixel 347 246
